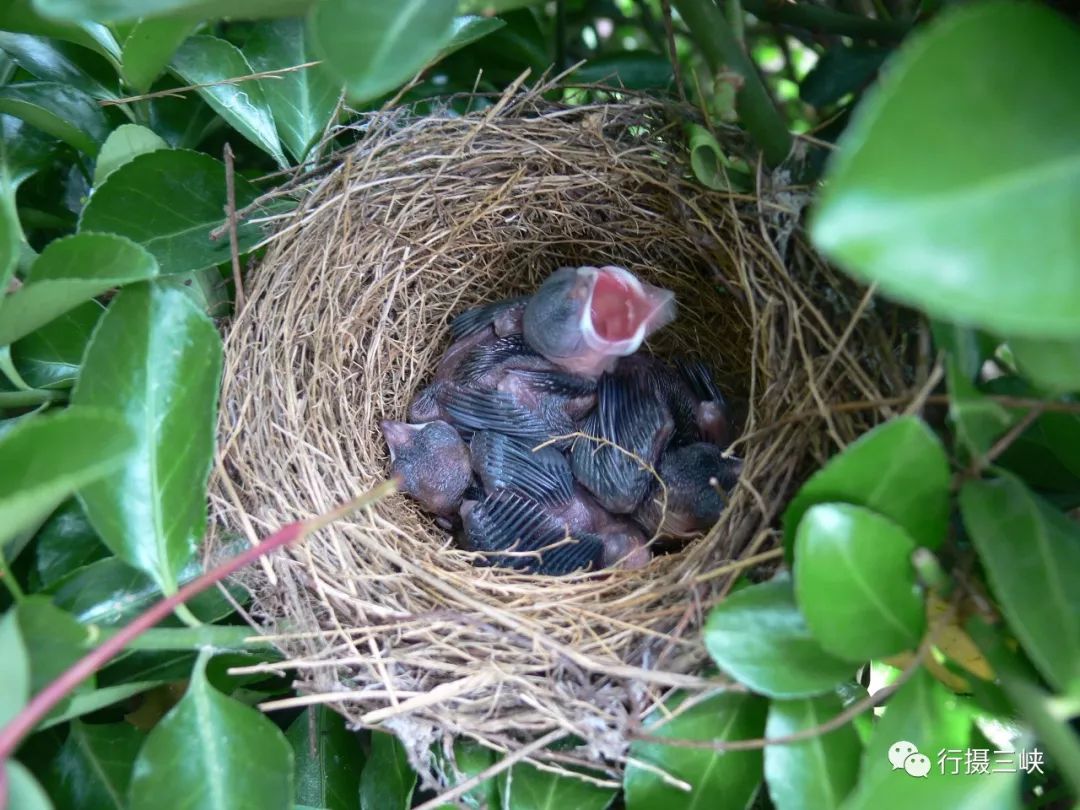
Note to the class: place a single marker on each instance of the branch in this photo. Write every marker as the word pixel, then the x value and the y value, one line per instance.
pixel 721 49
pixel 826 20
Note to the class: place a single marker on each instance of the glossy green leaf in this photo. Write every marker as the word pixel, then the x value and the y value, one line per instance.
pixel 125 143
pixel 1030 551
pixel 93 768
pixel 818 772
pixel 376 47
pixel 469 28
pixel 387 781
pixel 717 781
pixel 14 668
pixel 65 542
pixel 328 760
pixel 526 787
pixel 109 593
pixel 62 111
pixel 51 61
pixel 302 101
pixel 54 641
pixel 149 48
pixel 49 457
pixel 21 16
pixel 241 762
pixel 855 582
pixel 758 636
pixel 50 356
pixel 898 469
pixel 635 70
pixel 120 10
pixel 69 272
pixel 12 241
pixel 205 60
pixel 919 211
pixel 932 721
pixel 181 198
pixel 470 759
pixel 1053 364
pixel 841 70
pixel 86 703
pixel 24 792
pixel 155 360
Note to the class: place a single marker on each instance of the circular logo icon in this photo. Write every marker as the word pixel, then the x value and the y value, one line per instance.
pixel 917 765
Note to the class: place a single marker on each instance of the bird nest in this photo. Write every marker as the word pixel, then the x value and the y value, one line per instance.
pixel 381 616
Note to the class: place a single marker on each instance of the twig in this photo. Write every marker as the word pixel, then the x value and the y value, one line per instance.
pixel 826 20
pixel 1004 443
pixel 230 214
pixel 179 91
pixel 673 54
pixel 721 49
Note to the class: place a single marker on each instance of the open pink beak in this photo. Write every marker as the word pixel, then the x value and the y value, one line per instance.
pixel 622 312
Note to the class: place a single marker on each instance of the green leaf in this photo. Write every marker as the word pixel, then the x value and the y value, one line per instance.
pixel 933 720
pixel 240 759
pixel 54 641
pixel 818 772
pixel 62 111
pixel 14 668
pixel 635 70
pixel 526 787
pixel 202 60
pixel 898 469
pixel 302 101
pixel 53 61
pixel 49 457
pixel 93 768
pixel 375 47
pixel 841 70
pixel 470 759
pixel 1031 552
pixel 20 15
pixel 467 29
pixel 758 636
pixel 328 760
pixel 149 48
pixel 89 702
pixel 717 780
pixel 24 792
pixel 1053 364
pixel 70 271
pixel 124 143
pixel 155 360
pixel 65 542
pixel 707 158
pixel 181 198
pixel 387 781
pixel 109 592
pixel 855 582
pixel 120 10
pixel 920 211
pixel 50 356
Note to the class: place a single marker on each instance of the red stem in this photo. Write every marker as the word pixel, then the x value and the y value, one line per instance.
pixel 43 702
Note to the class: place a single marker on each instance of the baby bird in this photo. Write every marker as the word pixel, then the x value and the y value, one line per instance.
pixel 697 477
pixel 430 462
pixel 584 318
pixel 533 497
pixel 632 415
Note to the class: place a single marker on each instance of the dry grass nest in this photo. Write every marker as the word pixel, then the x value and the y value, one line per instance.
pixel 381 616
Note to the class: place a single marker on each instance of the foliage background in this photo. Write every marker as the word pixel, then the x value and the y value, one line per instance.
pixel 935 558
